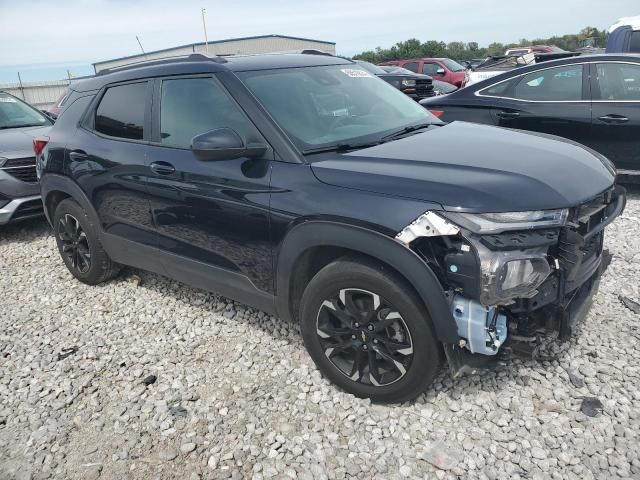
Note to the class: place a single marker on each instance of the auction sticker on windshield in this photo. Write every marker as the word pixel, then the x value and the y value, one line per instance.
pixel 355 73
pixel 7 100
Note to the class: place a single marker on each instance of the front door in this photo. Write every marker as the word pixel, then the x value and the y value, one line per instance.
pixel 208 213
pixel 616 113
pixel 552 100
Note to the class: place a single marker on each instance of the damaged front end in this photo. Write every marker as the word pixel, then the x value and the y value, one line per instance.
pixel 513 279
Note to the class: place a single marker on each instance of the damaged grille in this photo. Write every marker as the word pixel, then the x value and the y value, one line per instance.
pixel 581 241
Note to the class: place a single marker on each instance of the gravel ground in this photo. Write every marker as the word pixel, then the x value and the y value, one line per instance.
pixel 232 392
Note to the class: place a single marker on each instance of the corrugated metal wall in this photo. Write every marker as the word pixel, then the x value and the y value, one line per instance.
pixel 247 46
pixel 41 95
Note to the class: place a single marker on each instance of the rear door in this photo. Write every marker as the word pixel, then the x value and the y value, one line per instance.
pixel 552 100
pixel 615 128
pixel 107 157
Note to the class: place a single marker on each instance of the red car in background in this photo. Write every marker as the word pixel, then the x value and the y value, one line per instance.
pixel 443 69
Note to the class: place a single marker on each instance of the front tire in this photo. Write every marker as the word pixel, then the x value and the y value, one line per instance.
pixel 79 244
pixel 368 332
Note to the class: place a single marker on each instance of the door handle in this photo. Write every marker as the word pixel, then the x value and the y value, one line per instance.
pixel 162 168
pixel 78 155
pixel 507 115
pixel 612 118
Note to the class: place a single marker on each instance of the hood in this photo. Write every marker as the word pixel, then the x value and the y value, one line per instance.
pixel 18 142
pixel 474 168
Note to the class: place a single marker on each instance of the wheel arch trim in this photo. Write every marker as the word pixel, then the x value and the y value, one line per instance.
pixel 323 233
pixel 52 182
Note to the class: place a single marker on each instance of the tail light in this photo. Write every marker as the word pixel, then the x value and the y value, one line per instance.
pixel 38 145
pixel 437 113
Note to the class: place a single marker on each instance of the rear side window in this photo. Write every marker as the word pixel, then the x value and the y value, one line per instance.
pixel 192 106
pixel 554 84
pixel 619 81
pixel 121 111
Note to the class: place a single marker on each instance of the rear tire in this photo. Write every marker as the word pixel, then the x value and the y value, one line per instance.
pixel 368 332
pixel 79 244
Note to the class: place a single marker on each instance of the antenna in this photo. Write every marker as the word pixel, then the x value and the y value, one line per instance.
pixel 140 43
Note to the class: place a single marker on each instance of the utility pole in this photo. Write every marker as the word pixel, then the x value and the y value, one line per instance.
pixel 140 43
pixel 204 25
pixel 21 87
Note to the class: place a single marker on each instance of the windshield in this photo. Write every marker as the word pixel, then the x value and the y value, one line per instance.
pixel 15 113
pixel 401 70
pixel 336 104
pixel 453 66
pixel 376 70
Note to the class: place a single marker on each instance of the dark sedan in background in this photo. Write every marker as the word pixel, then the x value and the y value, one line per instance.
pixel 594 100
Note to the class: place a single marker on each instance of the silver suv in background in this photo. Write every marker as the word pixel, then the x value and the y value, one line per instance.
pixel 20 127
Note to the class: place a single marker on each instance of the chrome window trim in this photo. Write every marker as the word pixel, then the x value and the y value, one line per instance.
pixel 478 94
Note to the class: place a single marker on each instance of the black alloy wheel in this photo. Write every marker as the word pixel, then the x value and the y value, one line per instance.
pixel 74 243
pixel 80 245
pixel 368 332
pixel 364 337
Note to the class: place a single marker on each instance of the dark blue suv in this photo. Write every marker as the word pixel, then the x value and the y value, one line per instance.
pixel 306 187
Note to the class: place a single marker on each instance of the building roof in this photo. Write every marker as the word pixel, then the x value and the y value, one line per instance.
pixel 213 42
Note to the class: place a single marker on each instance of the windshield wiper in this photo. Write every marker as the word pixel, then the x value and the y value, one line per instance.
pixel 405 130
pixel 4 127
pixel 339 147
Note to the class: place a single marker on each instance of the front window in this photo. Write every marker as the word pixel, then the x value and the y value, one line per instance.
pixel 15 114
pixel 192 106
pixel 453 66
pixel 430 69
pixel 619 81
pixel 329 105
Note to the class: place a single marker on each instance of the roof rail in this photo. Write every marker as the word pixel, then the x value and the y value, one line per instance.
pixel 192 57
pixel 313 51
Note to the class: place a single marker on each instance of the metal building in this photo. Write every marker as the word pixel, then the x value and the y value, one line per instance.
pixel 232 46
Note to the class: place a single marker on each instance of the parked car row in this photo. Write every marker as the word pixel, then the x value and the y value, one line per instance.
pixel 310 187
pixel 593 100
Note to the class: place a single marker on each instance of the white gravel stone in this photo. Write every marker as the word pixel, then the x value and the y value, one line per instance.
pixel 237 394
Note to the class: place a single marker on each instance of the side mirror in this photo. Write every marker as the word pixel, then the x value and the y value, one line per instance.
pixel 440 71
pixel 224 144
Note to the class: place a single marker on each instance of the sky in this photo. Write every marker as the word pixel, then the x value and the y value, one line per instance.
pixel 42 39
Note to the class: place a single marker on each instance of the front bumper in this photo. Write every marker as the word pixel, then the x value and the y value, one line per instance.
pixel 21 209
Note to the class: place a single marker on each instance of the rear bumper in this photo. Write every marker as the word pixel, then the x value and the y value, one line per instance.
pixel 21 209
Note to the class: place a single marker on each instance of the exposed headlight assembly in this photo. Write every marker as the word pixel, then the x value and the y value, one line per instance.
pixel 500 222
pixel 408 83
pixel 506 275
